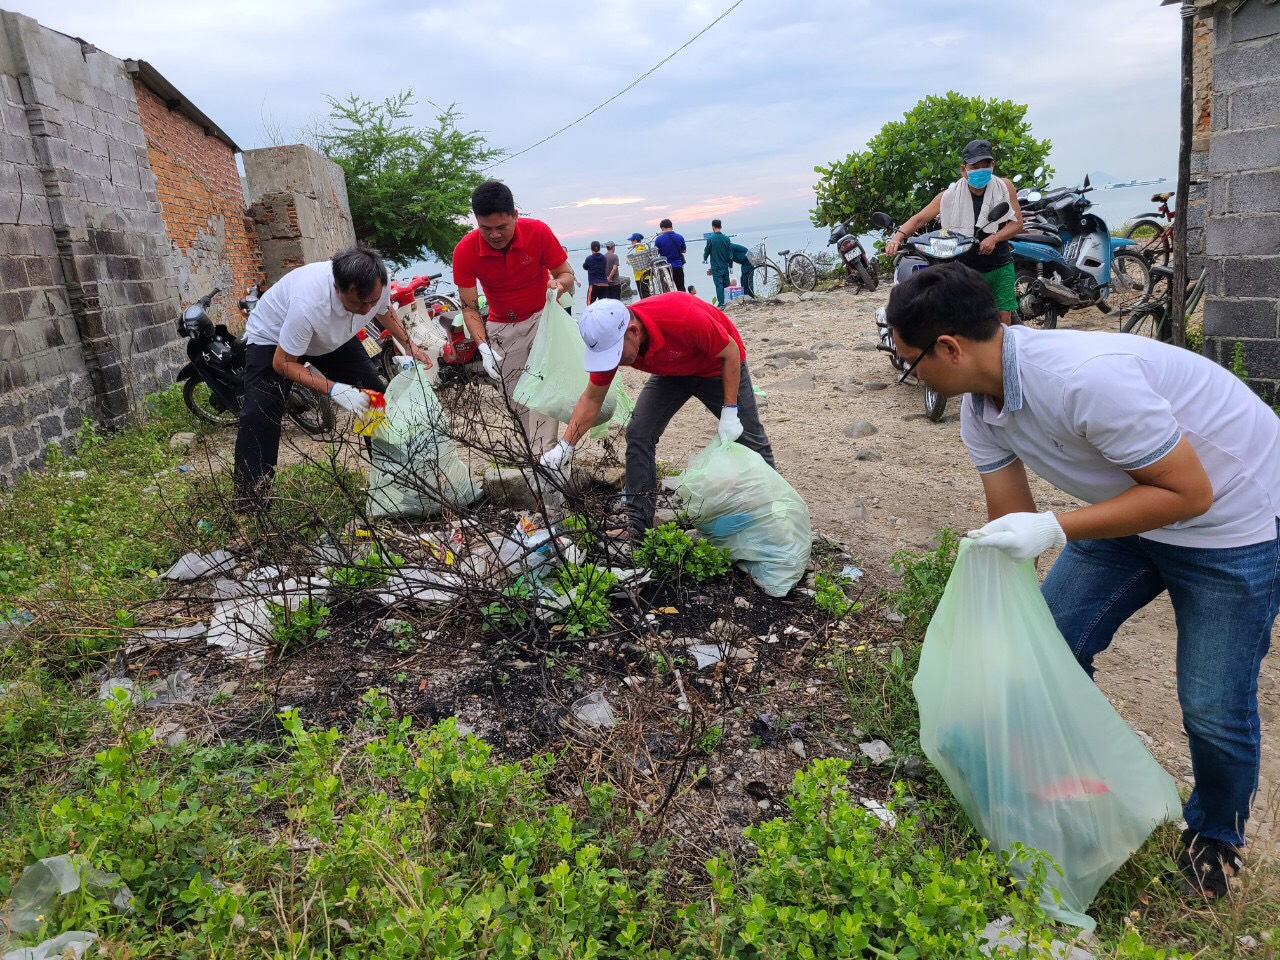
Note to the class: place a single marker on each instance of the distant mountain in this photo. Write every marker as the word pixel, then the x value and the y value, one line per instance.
pixel 1099 176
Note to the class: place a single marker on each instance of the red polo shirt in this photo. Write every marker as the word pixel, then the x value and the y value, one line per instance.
pixel 685 334
pixel 514 279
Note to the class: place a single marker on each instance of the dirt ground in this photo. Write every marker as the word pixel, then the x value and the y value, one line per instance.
pixel 895 488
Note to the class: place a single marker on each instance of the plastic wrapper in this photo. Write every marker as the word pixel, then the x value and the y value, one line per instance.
pixel 741 503
pixel 1032 750
pixel 415 469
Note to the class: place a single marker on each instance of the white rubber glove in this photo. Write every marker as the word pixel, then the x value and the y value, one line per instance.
pixel 491 358
pixel 349 398
pixel 730 425
pixel 1022 535
pixel 558 459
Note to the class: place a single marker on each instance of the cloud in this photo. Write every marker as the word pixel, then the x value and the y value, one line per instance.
pixel 713 207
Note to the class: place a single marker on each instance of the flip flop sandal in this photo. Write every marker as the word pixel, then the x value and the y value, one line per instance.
pixel 1204 864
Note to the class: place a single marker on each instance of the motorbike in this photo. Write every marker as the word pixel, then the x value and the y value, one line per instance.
pixel 213 378
pixel 1066 259
pixel 859 269
pixel 936 246
pixel 452 349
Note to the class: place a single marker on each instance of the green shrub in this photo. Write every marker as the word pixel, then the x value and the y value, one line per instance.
pixel 924 577
pixel 291 629
pixel 369 570
pixel 588 588
pixel 670 552
pixel 830 596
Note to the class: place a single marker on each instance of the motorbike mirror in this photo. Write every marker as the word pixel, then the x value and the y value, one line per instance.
pixel 1037 174
pixel 1035 195
pixel 882 220
pixel 1086 181
pixel 996 212
pixel 1016 178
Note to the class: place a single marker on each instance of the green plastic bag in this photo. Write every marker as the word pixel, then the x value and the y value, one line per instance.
pixel 555 375
pixel 415 469
pixel 739 502
pixel 1031 748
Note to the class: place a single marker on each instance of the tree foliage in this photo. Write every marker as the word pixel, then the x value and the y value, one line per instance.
pixel 409 188
pixel 909 161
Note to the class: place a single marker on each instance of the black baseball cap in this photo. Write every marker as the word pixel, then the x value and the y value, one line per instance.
pixel 976 150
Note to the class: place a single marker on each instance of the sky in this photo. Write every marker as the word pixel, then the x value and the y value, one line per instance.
pixel 731 127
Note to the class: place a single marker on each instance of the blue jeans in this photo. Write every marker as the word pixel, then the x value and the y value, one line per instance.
pixel 1224 602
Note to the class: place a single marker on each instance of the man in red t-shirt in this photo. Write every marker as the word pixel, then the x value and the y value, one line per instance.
pixel 692 350
pixel 516 261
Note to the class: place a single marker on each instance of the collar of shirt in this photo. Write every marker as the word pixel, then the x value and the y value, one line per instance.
pixel 517 241
pixel 656 340
pixel 339 310
pixel 1009 372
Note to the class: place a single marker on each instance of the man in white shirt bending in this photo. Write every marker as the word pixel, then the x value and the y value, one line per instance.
pixel 311 315
pixel 1179 463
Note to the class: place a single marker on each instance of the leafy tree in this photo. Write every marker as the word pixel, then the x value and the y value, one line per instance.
pixel 409 188
pixel 910 160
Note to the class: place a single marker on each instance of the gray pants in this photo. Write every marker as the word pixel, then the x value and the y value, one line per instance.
pixel 514 341
pixel 660 400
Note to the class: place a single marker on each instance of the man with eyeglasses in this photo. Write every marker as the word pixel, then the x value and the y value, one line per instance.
pixel 1176 459
pixel 516 260
pixel 311 315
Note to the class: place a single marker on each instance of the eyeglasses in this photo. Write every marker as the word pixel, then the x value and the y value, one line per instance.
pixel 910 367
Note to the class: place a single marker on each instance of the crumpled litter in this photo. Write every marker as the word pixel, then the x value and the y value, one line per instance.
pixel 594 710
pixel 177 687
pixel 877 751
pixel 242 628
pixel 164 635
pixel 421 585
pixel 44 882
pixel 192 566
pixel 72 944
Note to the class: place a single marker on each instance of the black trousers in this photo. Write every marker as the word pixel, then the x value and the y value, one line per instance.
pixel 660 400
pixel 265 395
pixel 677 274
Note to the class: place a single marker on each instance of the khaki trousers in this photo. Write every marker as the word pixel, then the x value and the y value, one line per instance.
pixel 514 341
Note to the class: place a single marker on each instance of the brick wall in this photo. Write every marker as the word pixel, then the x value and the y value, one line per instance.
pixel 89 294
pixel 1241 235
pixel 202 203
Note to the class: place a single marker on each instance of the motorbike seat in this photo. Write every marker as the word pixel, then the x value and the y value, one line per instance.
pixel 1051 239
pixel 1160 197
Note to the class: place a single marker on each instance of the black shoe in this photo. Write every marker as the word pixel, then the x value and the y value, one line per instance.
pixel 1206 866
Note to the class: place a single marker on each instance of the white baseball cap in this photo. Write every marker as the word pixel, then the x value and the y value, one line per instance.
pixel 603 325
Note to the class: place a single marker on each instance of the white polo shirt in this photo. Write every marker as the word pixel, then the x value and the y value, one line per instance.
pixel 302 313
pixel 1082 408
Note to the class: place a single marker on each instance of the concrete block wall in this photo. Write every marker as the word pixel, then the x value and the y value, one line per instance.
pixel 89 295
pixel 1241 235
pixel 298 202
pixel 212 242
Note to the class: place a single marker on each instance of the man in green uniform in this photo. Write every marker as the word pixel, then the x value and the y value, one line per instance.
pixel 719 252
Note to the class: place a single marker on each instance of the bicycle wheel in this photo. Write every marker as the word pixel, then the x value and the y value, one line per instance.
pixel 201 401
pixel 1153 244
pixel 802 272
pixel 661 281
pixel 766 281
pixel 1130 281
pixel 1151 321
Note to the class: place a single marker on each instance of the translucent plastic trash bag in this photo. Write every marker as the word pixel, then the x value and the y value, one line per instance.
pixel 416 470
pixel 741 503
pixel 1032 750
pixel 554 377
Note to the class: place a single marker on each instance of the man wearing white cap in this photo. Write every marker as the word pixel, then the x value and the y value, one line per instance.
pixel 692 350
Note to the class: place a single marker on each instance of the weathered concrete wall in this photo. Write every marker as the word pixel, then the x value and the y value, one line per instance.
pixel 1242 228
pixel 298 201
pixel 90 296
pixel 212 241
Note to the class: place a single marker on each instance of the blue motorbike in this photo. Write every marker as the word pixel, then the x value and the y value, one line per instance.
pixel 1066 259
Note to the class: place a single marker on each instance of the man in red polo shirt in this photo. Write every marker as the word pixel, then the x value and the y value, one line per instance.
pixel 692 350
pixel 516 261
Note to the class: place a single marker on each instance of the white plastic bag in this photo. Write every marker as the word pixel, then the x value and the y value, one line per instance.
pixel 741 503
pixel 415 469
pixel 1032 750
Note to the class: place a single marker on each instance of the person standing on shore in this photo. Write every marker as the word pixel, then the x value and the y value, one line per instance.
pixel 597 267
pixel 720 254
pixel 612 277
pixel 672 246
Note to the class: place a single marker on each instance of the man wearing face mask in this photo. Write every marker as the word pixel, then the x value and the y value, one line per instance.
pixel 964 205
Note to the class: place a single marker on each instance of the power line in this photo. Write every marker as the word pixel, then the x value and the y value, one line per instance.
pixel 629 86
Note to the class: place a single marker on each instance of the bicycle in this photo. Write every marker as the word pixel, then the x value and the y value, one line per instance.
pixel 1154 239
pixel 656 271
pixel 1153 317
pixel 766 277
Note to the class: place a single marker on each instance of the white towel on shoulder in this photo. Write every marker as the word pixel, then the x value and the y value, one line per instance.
pixel 957 205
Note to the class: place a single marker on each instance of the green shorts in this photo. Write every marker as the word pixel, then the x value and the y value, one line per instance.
pixel 1000 280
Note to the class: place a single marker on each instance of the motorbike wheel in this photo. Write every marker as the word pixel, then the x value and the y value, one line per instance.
pixel 1130 282
pixel 205 406
pixel 1046 313
pixel 935 404
pixel 866 277
pixel 766 281
pixel 1152 244
pixel 311 411
pixel 802 273
pixel 386 362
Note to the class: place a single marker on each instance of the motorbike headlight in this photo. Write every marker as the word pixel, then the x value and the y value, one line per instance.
pixel 943 247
